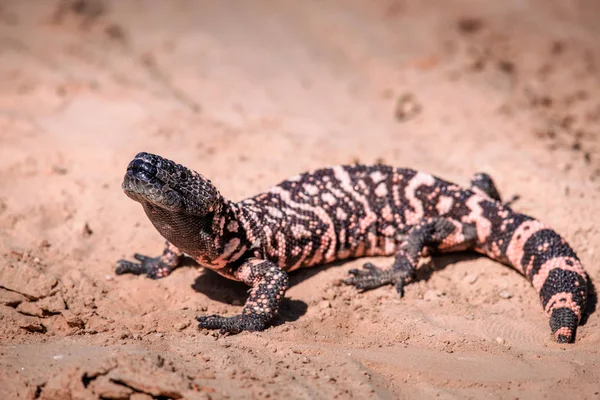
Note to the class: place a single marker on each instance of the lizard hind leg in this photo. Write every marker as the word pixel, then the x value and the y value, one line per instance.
pixel 443 234
pixel 269 284
pixel 483 184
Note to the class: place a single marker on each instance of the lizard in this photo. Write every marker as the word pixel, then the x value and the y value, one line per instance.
pixel 338 213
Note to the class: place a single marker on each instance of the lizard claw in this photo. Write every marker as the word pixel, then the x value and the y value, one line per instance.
pixel 400 287
pixel 371 267
pixel 368 269
pixel 372 277
pixel 142 258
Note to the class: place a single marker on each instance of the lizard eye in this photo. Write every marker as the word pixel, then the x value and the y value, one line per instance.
pixel 183 176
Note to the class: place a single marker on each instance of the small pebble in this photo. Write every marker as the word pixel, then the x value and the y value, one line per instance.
pixel 181 325
pixel 471 278
pixel 505 294
pixel 325 304
pixel 499 340
pixel 86 231
pixel 407 107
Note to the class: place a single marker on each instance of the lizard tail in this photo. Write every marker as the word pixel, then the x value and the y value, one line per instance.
pixel 548 262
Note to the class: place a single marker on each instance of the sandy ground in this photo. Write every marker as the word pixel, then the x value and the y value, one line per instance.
pixel 248 93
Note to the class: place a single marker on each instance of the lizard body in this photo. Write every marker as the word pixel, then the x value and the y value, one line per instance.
pixel 340 213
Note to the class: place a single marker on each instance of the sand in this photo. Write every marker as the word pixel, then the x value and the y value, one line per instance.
pixel 249 93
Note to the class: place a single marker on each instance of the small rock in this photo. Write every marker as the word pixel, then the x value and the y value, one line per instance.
pixel 499 340
pixel 28 308
pixel 506 66
pixel 181 325
pixel 124 335
pixel 115 32
pixel 471 278
pixel 59 170
pixel 73 320
pixel 469 24
pixel 407 107
pixel 11 299
pixel 87 231
pixel 58 357
pixel 53 304
pixel 505 294
pixel 325 304
pixel 33 326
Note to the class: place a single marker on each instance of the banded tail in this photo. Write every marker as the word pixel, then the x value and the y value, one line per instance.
pixel 546 260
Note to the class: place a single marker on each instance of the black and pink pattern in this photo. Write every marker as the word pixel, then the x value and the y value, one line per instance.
pixel 339 213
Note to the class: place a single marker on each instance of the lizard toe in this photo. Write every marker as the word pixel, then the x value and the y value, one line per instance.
pixel 149 266
pixel 128 267
pixel 141 257
pixel 232 325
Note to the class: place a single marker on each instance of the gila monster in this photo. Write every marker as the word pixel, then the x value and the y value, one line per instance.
pixel 338 213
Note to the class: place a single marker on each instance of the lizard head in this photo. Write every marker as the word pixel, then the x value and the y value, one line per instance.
pixel 159 183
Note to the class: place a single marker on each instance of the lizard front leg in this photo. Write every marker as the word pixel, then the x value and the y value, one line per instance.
pixel 269 284
pixel 152 267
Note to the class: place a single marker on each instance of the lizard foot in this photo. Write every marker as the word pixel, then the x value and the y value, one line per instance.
pixel 372 277
pixel 152 267
pixel 235 324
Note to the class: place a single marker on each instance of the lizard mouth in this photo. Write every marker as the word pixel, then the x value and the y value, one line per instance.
pixel 157 182
pixel 141 170
pixel 142 184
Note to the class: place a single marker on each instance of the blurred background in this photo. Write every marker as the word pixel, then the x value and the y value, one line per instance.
pixel 249 93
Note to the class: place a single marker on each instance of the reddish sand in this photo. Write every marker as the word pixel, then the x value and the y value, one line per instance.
pixel 249 93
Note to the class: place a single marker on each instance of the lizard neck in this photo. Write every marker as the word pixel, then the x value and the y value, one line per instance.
pixel 197 236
